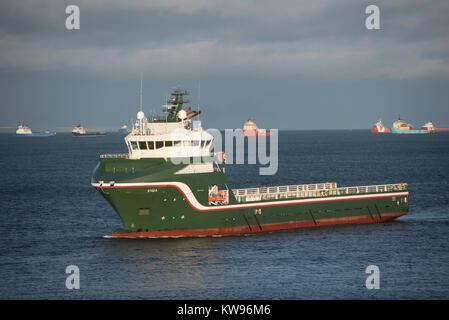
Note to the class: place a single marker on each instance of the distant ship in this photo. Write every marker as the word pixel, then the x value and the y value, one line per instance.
pixel 79 131
pixel 379 128
pixel 429 126
pixel 24 130
pixel 400 127
pixel 123 129
pixel 250 129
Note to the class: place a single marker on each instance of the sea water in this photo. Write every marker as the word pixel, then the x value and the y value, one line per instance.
pixel 51 217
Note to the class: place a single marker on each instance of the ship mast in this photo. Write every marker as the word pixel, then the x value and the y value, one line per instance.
pixel 177 100
pixel 141 91
pixel 199 99
pixel 140 114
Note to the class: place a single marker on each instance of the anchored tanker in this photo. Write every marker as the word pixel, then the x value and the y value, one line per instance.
pixel 170 184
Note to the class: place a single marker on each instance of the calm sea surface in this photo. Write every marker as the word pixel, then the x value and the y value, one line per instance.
pixel 51 217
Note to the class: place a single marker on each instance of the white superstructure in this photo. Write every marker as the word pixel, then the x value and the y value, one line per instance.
pixel 250 125
pixel 23 129
pixel 78 130
pixel 158 139
pixel 428 126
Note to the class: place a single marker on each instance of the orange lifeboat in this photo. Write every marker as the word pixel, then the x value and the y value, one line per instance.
pixel 220 196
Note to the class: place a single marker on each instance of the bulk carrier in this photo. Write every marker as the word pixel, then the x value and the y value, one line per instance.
pixel 170 184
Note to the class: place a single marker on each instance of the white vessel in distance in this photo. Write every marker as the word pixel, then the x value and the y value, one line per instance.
pixel 124 129
pixel 24 130
pixel 79 131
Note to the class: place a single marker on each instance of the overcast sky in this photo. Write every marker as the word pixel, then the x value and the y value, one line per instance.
pixel 287 64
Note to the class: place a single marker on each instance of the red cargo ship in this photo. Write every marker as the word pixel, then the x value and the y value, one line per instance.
pixel 429 126
pixel 379 128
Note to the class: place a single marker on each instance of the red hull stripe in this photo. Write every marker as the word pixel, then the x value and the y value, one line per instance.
pixel 244 230
pixel 256 204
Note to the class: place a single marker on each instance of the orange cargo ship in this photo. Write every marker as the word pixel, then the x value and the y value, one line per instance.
pixel 250 129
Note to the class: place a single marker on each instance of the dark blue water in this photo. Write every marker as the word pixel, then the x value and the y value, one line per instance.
pixel 51 218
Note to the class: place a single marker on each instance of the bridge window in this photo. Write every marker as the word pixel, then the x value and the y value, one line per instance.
pixel 168 143
pixel 196 143
pixel 205 143
pixel 177 143
pixel 134 145
pixel 151 145
pixel 142 145
pixel 159 144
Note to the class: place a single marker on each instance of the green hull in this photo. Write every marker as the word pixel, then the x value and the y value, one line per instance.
pixel 153 201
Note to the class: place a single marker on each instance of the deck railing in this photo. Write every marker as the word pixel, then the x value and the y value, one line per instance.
pixel 310 191
pixel 117 155
pixel 285 189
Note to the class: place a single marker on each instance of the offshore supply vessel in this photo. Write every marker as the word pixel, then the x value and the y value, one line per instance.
pixel 401 127
pixel 380 128
pixel 123 129
pixel 170 184
pixel 79 131
pixel 250 129
pixel 430 127
pixel 25 131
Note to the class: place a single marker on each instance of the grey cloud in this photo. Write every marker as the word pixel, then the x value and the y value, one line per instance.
pixel 197 37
